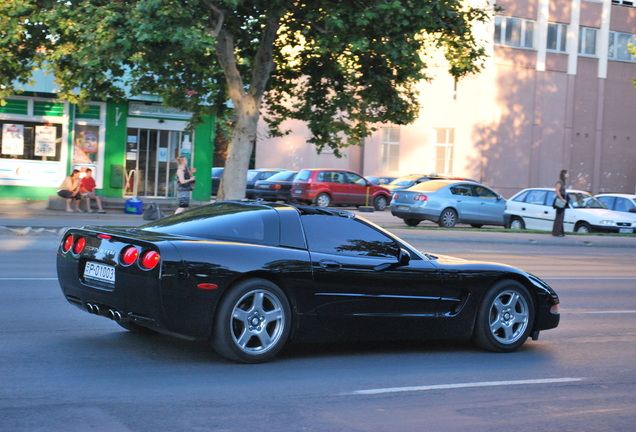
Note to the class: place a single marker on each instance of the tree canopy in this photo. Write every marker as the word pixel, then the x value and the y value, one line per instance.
pixel 342 66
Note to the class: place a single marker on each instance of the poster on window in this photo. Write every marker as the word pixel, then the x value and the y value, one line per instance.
pixel 90 141
pixel 12 139
pixel 45 137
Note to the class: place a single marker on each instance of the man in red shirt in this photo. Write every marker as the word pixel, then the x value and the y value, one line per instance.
pixel 87 188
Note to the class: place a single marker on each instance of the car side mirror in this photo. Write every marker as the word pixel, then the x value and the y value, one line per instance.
pixel 403 259
pixel 632 210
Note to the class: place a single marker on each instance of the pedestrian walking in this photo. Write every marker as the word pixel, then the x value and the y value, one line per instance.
pixel 560 203
pixel 185 183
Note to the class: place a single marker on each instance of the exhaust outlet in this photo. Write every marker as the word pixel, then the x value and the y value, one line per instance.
pixel 96 310
pixel 89 308
pixel 117 316
pixel 111 314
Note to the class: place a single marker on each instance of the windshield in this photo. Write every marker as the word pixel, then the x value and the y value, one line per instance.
pixel 403 181
pixel 283 176
pixel 583 200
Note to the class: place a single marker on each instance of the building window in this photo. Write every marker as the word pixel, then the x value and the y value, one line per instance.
pixel 444 141
pixel 619 44
pixel 587 41
pixel 631 3
pixel 514 32
pixel 390 149
pixel 557 37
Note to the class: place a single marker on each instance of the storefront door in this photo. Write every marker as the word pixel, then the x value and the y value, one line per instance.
pixel 150 161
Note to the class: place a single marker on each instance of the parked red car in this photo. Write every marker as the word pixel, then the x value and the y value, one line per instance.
pixel 325 187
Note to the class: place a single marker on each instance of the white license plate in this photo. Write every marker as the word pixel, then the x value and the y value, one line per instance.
pixel 100 272
pixel 298 191
pixel 625 230
pixel 403 208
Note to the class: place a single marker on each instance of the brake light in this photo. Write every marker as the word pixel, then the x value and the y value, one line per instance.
pixel 68 243
pixel 274 186
pixel 129 255
pixel 149 260
pixel 79 245
pixel 420 198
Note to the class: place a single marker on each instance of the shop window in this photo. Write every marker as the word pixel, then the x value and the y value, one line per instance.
pixel 36 141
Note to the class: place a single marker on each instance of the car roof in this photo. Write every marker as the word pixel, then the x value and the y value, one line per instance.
pixel 620 195
pixel 551 189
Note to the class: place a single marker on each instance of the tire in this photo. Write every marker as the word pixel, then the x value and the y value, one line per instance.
pixel 323 200
pixel 380 202
pixel 252 323
pixel 412 222
pixel 583 227
pixel 504 318
pixel 517 223
pixel 448 218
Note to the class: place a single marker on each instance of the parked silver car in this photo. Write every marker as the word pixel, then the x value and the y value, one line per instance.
pixel 449 202
pixel 532 209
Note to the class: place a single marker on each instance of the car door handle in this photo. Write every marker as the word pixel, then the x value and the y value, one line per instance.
pixel 330 265
pixel 523 209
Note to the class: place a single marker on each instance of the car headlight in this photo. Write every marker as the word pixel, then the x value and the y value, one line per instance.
pixel 606 222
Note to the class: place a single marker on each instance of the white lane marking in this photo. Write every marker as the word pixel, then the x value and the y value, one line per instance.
pixel 588 278
pixel 597 312
pixel 462 385
pixel 27 279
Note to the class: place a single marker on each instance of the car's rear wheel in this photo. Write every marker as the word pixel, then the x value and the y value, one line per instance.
pixel 517 223
pixel 252 322
pixel 323 200
pixel 448 218
pixel 583 227
pixel 412 222
pixel 504 318
pixel 380 202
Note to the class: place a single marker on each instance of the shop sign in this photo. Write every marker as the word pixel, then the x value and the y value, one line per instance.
pixel 12 139
pixel 45 137
pixel 156 110
pixel 17 172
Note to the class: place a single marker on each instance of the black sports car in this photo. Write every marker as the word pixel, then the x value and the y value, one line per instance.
pixel 252 276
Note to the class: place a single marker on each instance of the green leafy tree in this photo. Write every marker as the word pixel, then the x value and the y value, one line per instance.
pixel 339 65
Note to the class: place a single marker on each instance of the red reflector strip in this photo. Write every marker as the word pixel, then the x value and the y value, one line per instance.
pixel 104 236
pixel 207 286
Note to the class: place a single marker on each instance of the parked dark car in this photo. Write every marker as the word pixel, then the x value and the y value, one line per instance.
pixel 255 175
pixel 252 276
pixel 449 202
pixel 276 188
pixel 325 187
pixel 382 181
pixel 217 174
pixel 405 182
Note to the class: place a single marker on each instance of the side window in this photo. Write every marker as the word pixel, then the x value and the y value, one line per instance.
pixel 623 204
pixel 461 190
pixel 550 198
pixel 354 178
pixel 483 192
pixel 536 197
pixel 321 176
pixel 521 197
pixel 344 236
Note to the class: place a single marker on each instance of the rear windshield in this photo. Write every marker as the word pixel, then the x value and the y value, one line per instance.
pixel 283 176
pixel 303 175
pixel 223 221
pixel 430 186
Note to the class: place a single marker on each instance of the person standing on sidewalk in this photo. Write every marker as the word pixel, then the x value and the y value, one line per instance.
pixel 70 189
pixel 87 189
pixel 561 194
pixel 185 183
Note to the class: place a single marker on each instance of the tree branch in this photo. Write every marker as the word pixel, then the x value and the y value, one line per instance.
pixel 216 21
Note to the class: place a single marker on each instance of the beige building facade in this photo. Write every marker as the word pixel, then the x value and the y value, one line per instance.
pixel 557 93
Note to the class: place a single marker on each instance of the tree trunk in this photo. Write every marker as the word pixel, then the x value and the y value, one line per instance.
pixel 239 152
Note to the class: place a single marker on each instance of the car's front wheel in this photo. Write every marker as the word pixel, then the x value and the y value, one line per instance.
pixel 380 202
pixel 504 318
pixel 253 322
pixel 448 218
pixel 323 200
pixel 583 227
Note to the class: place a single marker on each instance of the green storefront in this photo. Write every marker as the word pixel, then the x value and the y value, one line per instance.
pixel 131 147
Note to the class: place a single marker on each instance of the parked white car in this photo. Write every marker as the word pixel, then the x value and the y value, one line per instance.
pixel 625 203
pixel 532 209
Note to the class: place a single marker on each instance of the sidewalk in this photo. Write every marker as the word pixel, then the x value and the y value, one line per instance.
pixel 21 217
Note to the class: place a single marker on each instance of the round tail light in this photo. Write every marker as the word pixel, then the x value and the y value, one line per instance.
pixel 129 255
pixel 67 244
pixel 79 245
pixel 149 260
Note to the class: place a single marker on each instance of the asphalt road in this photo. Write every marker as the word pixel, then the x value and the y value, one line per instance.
pixel 65 370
